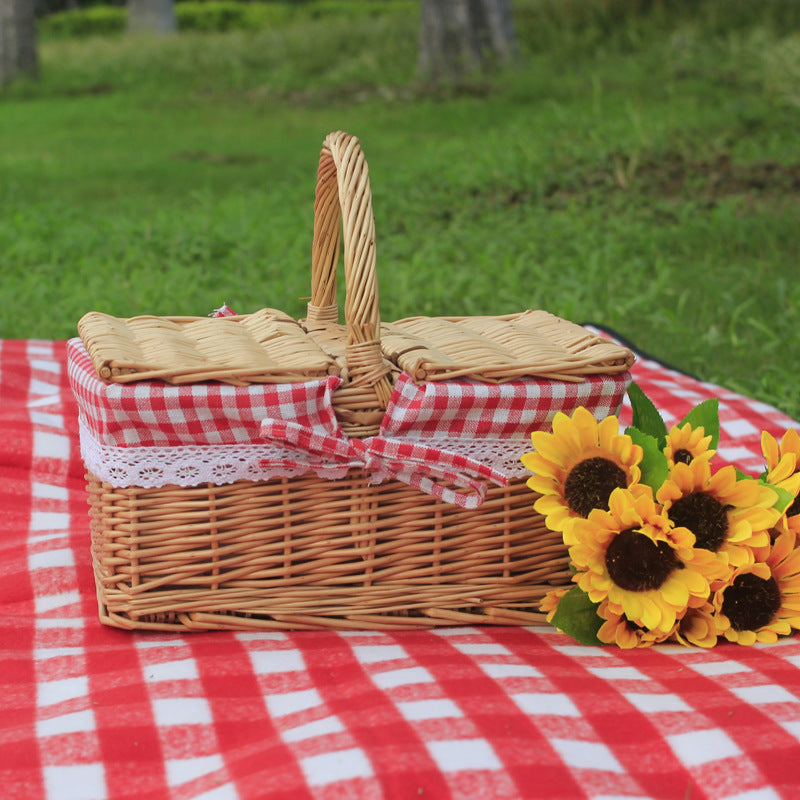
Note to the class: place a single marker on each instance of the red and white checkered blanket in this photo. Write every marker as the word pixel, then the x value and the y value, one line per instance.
pixel 90 712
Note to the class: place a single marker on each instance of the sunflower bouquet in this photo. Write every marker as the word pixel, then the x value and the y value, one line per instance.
pixel 663 546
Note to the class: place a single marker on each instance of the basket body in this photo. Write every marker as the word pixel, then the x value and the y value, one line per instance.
pixel 261 473
pixel 308 553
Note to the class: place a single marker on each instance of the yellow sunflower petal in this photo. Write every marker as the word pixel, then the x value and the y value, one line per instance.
pixel 769 447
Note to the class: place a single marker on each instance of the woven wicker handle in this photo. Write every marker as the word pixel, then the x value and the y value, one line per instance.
pixel 343 194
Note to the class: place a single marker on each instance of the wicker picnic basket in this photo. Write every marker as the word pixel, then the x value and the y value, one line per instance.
pixel 307 550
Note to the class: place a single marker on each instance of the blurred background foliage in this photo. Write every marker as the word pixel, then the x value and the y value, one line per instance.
pixel 639 168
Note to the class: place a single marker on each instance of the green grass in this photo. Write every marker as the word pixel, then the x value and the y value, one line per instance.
pixel 641 169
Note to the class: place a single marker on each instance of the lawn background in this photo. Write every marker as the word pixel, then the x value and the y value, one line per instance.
pixel 639 169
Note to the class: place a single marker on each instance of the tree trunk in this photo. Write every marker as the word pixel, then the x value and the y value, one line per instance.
pixel 17 40
pixel 151 16
pixel 465 38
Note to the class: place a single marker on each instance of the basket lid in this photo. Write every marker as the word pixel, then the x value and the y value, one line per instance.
pixel 533 344
pixel 269 346
pixel 265 347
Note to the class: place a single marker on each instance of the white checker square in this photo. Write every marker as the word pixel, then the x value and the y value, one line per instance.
pixel 225 792
pixel 617 673
pixel 266 662
pixel 176 416
pixel 434 708
pixel 465 631
pixel 765 793
pixel 49 521
pixel 48 491
pixel 60 622
pixel 739 428
pixel 48 602
pixel 763 694
pixel 727 667
pixel 76 782
pixel 457 755
pixel 46 420
pixel 42 388
pixel 372 653
pixel 319 727
pixel 45 365
pixel 341 765
pixel 50 445
pixel 279 705
pixel 183 770
pixel 546 703
pixel 180 670
pixel 76 722
pixel 734 454
pixel 792 727
pixel 586 755
pixel 47 559
pixel 145 644
pixel 260 636
pixel 499 671
pixel 654 703
pixel 402 677
pixel 481 649
pixel 49 693
pixel 182 711
pixel 701 747
pixel 581 651
pixel 43 653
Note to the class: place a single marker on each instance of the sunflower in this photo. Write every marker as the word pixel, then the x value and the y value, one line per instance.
pixel 577 466
pixel 632 557
pixel 783 471
pixel 728 515
pixel 697 627
pixel 685 443
pixel 549 603
pixel 619 630
pixel 761 601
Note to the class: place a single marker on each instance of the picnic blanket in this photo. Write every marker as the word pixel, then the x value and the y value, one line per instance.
pixel 90 712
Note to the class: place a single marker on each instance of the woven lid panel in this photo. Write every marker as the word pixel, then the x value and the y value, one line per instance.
pixel 265 347
pixel 497 349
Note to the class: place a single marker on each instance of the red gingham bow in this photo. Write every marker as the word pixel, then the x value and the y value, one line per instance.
pixel 415 464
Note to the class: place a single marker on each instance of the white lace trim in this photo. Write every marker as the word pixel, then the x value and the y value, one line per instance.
pixel 154 467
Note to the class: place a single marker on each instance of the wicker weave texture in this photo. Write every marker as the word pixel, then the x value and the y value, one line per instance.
pixel 308 553
pixel 265 347
pixel 497 349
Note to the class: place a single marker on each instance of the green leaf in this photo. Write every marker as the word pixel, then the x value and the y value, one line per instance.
pixel 645 415
pixel 654 465
pixel 577 616
pixel 785 498
pixel 706 414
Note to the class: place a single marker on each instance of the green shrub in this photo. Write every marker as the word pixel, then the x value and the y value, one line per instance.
pixel 93 21
pixel 214 15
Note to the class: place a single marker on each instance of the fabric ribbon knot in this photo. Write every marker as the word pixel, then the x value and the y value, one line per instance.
pixel 443 474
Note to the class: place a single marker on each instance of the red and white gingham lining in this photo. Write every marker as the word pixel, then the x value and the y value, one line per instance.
pixel 156 414
pixel 472 410
pixel 423 434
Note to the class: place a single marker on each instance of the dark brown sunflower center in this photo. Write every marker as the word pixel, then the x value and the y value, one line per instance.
pixel 590 483
pixel 704 516
pixel 794 508
pixel 682 456
pixel 637 564
pixel 751 602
